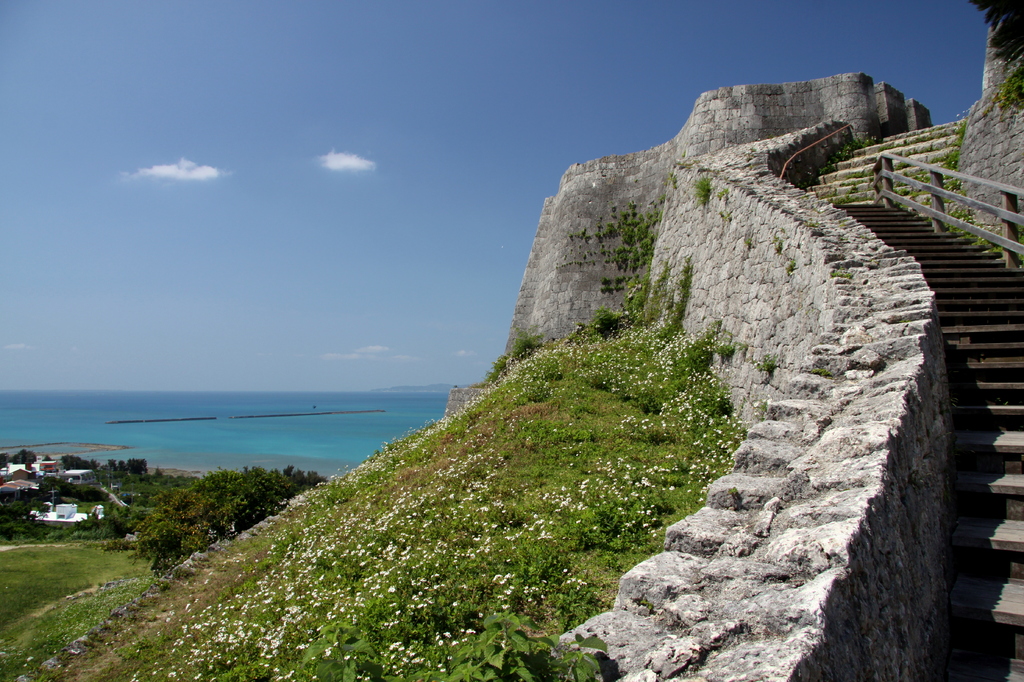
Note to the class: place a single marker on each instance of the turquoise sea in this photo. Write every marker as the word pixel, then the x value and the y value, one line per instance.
pixel 324 443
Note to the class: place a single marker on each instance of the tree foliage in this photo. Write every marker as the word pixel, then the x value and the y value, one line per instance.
pixel 1006 17
pixel 224 502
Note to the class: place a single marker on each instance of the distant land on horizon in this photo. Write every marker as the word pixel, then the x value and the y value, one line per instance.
pixel 430 388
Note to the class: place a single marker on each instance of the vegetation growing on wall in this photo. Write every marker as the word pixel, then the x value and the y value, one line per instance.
pixel 1010 94
pixel 702 190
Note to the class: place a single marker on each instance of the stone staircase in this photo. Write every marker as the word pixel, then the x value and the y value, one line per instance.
pixel 851 181
pixel 981 310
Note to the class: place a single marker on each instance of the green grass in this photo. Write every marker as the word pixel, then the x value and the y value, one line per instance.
pixel 35 618
pixel 534 501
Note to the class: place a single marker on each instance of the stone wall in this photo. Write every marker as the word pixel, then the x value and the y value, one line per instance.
pixel 825 554
pixel 460 398
pixel 993 146
pixel 562 285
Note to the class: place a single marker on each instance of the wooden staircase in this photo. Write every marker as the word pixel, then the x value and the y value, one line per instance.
pixel 981 310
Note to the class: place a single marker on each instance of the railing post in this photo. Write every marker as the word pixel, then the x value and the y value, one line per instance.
pixel 1010 229
pixel 887 182
pixel 938 203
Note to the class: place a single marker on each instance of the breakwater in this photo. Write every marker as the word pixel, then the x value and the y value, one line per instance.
pixel 149 421
pixel 244 416
pixel 303 414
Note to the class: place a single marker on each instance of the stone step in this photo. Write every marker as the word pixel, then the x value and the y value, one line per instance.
pixel 1007 442
pixel 968 666
pixel 907 139
pixel 995 484
pixel 940 129
pixel 988 599
pixel 925 152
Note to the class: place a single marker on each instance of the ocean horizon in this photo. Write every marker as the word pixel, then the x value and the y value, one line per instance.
pixel 48 422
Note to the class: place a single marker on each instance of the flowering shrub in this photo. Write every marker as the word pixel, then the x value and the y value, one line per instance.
pixel 534 501
pixel 503 652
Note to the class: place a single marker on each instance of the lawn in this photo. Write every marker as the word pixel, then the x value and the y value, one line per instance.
pixel 35 618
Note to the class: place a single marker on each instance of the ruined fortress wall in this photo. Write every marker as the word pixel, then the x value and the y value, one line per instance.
pixel 993 146
pixel 825 554
pixel 562 282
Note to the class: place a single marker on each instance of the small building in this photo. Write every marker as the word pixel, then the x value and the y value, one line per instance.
pixel 47 466
pixel 80 476
pixel 61 515
pixel 18 490
pixel 20 472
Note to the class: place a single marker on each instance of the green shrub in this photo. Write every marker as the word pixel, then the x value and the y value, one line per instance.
pixel 702 190
pixel 767 364
pixel 503 652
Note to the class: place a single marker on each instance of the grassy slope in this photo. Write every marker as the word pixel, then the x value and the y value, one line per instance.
pixel 35 619
pixel 534 501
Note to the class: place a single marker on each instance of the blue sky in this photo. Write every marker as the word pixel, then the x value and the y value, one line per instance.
pixel 340 195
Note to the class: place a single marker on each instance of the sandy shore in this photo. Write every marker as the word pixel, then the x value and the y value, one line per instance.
pixel 76 448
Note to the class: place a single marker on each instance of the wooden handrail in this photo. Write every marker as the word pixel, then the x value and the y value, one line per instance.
pixel 883 185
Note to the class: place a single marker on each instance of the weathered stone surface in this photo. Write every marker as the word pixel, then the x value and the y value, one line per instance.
pixel 993 146
pixel 740 492
pixel 460 398
pixel 651 583
pixel 562 283
pixel 629 638
pixel 704 532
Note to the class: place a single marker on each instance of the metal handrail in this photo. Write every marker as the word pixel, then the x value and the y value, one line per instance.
pixel 1008 214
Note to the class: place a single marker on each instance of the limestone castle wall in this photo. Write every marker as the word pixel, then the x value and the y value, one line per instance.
pixel 562 284
pixel 993 146
pixel 825 554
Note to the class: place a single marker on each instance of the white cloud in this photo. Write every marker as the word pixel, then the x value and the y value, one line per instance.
pixel 17 346
pixel 343 161
pixel 464 353
pixel 341 356
pixel 183 170
pixel 368 353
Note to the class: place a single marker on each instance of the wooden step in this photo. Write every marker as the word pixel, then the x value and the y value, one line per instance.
pixel 988 599
pixel 988 259
pixel 968 666
pixel 980 313
pixel 995 484
pixel 983 328
pixel 946 271
pixel 1006 442
pixel 968 347
pixel 998 534
pixel 990 410
pixel 984 306
pixel 988 385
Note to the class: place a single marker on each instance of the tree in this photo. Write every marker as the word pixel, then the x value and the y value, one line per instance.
pixel 76 462
pixel 224 502
pixel 1006 17
pixel 184 521
pixel 23 456
pixel 137 466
